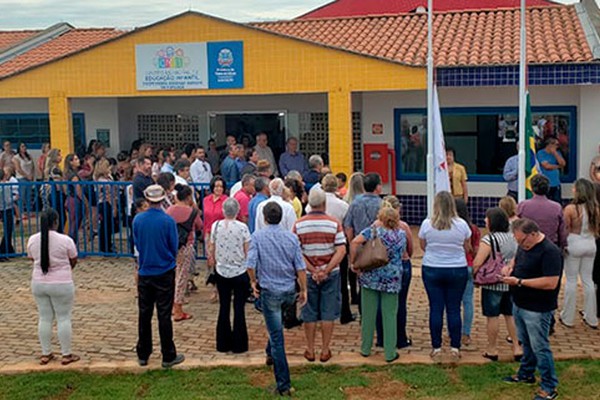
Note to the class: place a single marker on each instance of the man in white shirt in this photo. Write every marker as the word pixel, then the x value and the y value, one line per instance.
pixel 201 170
pixel 182 172
pixel 265 152
pixel 335 207
pixel 289 215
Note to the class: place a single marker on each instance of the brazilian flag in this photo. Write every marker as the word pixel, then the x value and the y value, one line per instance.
pixel 532 168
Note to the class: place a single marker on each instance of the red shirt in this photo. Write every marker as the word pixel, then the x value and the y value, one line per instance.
pixel 244 199
pixel 475 237
pixel 213 210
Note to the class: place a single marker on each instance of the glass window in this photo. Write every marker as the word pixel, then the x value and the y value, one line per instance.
pixel 34 129
pixel 483 138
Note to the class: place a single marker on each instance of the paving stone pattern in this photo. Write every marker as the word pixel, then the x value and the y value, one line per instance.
pixel 105 326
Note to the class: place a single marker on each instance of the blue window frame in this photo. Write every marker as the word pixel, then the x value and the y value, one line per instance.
pixel 483 138
pixel 33 129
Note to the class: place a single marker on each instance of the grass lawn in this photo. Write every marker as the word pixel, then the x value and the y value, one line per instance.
pixel 578 380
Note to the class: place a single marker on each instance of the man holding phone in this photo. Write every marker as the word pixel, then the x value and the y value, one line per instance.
pixel 534 280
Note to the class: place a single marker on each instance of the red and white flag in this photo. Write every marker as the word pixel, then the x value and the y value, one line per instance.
pixel 440 167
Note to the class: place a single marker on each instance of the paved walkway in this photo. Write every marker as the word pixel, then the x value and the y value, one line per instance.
pixel 105 327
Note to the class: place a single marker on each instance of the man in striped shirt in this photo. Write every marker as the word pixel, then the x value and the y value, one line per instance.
pixel 323 243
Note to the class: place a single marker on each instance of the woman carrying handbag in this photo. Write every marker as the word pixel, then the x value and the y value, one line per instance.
pixel 495 297
pixel 379 283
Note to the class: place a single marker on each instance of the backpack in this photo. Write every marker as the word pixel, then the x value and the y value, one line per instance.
pixel 183 229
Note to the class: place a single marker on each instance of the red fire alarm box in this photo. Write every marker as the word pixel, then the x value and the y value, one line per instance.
pixel 377 159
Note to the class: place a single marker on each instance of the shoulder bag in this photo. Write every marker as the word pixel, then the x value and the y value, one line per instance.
pixel 489 272
pixel 373 254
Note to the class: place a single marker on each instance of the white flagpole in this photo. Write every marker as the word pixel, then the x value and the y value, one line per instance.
pixel 522 104
pixel 430 135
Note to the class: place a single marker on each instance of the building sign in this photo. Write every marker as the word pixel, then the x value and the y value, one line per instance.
pixel 186 66
pixel 377 129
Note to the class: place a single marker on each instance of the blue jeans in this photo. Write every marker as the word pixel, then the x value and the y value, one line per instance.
pixel 445 288
pixel 402 337
pixel 467 303
pixel 533 329
pixel 273 306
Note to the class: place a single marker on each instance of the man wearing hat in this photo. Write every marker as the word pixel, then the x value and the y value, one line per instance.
pixel 155 236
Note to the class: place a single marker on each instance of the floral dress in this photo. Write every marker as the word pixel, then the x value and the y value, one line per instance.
pixel 389 277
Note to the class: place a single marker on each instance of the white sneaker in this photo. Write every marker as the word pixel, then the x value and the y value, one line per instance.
pixel 436 356
pixel 455 355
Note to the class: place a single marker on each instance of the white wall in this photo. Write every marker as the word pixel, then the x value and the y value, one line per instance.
pixel 99 114
pixel 589 127
pixel 378 107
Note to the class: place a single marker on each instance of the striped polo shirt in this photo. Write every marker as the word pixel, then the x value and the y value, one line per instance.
pixel 319 234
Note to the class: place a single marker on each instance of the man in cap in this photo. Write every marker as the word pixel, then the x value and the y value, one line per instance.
pixel 155 236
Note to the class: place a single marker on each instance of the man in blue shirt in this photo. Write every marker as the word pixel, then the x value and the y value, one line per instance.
pixel 156 238
pixel 274 263
pixel 261 186
pixel 292 159
pixel 229 169
pixel 240 159
pixel 511 175
pixel 551 161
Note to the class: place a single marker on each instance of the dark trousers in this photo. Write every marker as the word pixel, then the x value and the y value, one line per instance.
pixel 402 337
pixel 513 194
pixel 354 288
pixel 235 340
pixel 106 227
pixel 156 290
pixel 346 313
pixel 8 223
pixel 554 194
pixel 596 275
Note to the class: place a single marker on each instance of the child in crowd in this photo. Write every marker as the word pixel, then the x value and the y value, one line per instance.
pixel 467 300
pixel 342 189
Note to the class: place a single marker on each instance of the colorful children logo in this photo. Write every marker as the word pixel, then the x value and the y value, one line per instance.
pixel 225 58
pixel 171 57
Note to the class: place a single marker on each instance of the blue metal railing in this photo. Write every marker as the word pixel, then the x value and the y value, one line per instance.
pixel 96 215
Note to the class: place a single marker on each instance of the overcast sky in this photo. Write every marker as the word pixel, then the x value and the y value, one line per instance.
pixel 23 14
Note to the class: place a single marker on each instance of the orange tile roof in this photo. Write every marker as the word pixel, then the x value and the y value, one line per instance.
pixel 472 38
pixel 355 8
pixel 10 38
pixel 67 43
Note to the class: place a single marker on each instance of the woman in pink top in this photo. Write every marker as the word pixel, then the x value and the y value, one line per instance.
pixel 213 204
pixel 188 218
pixel 54 256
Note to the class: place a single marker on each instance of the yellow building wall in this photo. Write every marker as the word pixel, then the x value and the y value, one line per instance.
pixel 272 65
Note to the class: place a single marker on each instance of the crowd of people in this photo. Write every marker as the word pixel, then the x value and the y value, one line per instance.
pixel 288 235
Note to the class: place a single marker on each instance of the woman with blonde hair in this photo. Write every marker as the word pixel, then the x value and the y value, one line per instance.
pixel 382 285
pixel 444 239
pixel 582 218
pixel 106 212
pixel 52 194
pixel 355 186
pixel 509 205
